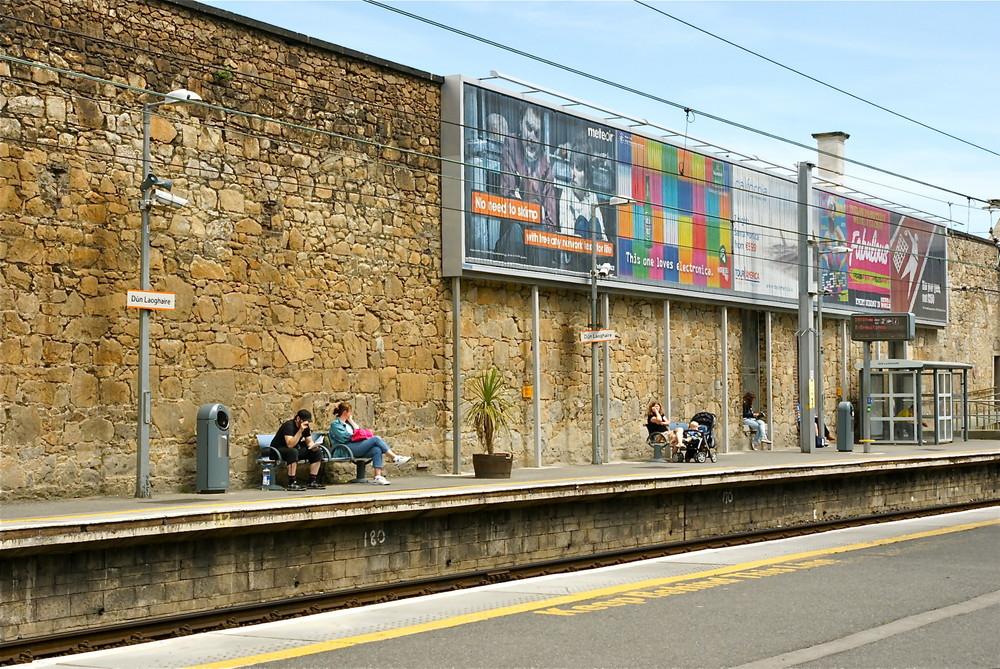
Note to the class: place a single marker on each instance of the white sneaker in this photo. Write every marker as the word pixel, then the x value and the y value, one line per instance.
pixel 401 459
pixel 380 480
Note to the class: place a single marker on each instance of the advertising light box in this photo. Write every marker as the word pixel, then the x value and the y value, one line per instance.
pixel 528 194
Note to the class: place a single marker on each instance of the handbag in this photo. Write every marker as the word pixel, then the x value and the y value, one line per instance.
pixel 361 434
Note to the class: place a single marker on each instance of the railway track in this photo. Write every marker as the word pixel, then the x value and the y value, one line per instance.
pixel 27 650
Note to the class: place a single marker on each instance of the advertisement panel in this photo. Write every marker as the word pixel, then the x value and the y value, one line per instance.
pixel 536 189
pixel 765 237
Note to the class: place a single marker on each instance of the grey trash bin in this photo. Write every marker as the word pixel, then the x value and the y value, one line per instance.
pixel 845 426
pixel 213 448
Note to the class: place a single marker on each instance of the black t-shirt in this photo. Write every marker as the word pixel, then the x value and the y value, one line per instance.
pixel 654 428
pixel 288 429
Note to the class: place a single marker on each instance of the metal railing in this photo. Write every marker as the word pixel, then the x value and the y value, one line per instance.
pixel 984 409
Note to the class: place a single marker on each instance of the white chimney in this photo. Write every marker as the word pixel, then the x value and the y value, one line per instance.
pixel 831 167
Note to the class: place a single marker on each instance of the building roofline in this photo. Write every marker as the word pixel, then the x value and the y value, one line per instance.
pixel 303 39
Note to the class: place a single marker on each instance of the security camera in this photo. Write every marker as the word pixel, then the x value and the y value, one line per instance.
pixel 164 197
pixel 605 270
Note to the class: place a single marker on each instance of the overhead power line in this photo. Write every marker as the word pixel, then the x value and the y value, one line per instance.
pixel 656 98
pixel 814 79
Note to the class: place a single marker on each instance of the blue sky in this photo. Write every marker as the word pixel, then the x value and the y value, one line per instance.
pixel 935 62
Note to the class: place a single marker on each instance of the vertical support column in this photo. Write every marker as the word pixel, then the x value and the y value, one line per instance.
pixel 866 392
pixel 724 317
pixel 536 376
pixel 667 408
pixel 606 379
pixel 769 374
pixel 806 334
pixel 936 385
pixel 456 375
pixel 143 394
pixel 844 380
pixel 965 405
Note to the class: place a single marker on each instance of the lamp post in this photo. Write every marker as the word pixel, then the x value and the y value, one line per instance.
pixel 595 437
pixel 820 293
pixel 149 197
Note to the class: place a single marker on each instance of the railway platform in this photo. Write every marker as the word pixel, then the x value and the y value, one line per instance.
pixel 50 514
pixel 87 563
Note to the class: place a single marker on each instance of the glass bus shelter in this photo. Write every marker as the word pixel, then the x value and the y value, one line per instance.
pixel 918 401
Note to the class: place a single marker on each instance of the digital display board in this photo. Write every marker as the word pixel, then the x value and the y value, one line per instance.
pixel 883 327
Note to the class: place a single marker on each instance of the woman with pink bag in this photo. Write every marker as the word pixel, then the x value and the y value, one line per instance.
pixel 363 443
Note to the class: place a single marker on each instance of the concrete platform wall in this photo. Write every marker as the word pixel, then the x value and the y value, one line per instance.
pixel 74 578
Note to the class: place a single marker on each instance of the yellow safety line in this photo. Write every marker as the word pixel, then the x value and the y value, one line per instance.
pixel 335 644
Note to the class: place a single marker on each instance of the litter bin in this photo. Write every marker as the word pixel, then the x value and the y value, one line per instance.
pixel 213 448
pixel 845 426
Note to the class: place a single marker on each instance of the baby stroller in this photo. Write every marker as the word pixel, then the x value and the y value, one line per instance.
pixel 699 443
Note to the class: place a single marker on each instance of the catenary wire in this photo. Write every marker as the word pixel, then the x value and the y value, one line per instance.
pixel 814 79
pixel 291 85
pixel 656 98
pixel 370 144
pixel 200 65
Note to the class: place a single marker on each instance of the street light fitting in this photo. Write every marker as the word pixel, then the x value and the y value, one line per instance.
pixel 180 95
pixel 153 180
pixel 154 191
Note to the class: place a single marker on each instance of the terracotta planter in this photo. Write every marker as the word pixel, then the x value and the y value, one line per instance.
pixel 495 466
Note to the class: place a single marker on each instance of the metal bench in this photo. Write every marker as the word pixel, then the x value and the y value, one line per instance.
pixel 658 440
pixel 270 460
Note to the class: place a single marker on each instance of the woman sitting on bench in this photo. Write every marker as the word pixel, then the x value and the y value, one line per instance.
pixel 656 424
pixel 364 446
pixel 755 421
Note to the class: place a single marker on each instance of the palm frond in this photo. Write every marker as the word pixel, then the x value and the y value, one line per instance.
pixel 488 407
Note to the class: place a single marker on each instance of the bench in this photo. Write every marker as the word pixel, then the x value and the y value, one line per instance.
pixel 270 460
pixel 658 440
pixel 750 433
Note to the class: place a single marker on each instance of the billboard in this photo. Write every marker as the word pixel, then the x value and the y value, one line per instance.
pixel 531 193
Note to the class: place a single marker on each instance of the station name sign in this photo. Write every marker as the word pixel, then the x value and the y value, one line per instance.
pixel 594 336
pixel 883 327
pixel 146 299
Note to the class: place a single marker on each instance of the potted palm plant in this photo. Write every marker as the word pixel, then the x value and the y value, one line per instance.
pixel 489 410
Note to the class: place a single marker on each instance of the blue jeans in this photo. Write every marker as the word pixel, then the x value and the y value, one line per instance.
pixel 372 447
pixel 759 427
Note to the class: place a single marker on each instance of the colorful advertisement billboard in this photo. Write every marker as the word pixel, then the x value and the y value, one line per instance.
pixel 541 193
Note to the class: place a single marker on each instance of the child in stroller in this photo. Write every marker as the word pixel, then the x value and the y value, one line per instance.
pixel 699 439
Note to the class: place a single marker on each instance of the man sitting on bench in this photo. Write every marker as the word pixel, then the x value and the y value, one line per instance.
pixel 294 441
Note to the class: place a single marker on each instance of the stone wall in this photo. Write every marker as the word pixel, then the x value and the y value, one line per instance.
pixel 307 266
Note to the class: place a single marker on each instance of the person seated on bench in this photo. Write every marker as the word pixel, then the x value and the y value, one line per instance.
pixel 656 423
pixel 755 421
pixel 294 441
pixel 342 432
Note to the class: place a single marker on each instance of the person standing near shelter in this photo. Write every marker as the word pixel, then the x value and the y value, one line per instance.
pixel 755 421
pixel 294 441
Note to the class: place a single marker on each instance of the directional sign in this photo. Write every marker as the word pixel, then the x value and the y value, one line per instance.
pixel 145 299
pixel 591 336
